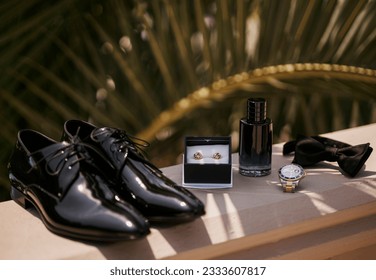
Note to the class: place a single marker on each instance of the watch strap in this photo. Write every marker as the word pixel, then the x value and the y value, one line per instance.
pixel 289 186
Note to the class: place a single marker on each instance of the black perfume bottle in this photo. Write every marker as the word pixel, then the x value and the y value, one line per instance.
pixel 256 139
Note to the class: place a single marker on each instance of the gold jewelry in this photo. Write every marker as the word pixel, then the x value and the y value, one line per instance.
pixel 217 156
pixel 197 155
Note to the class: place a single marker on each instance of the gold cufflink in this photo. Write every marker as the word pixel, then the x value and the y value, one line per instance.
pixel 217 156
pixel 197 155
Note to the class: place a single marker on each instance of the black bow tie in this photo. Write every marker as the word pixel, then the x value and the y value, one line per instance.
pixel 310 150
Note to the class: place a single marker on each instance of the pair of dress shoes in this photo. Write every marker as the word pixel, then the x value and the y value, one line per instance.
pixel 95 184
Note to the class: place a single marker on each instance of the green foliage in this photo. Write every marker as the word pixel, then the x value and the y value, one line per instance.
pixel 165 69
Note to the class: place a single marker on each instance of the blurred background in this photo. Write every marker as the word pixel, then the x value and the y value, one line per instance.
pixel 162 70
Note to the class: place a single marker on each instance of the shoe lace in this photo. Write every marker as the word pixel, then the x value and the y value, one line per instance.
pixel 74 149
pixel 124 143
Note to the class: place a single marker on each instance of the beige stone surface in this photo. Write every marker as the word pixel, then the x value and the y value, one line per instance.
pixel 252 206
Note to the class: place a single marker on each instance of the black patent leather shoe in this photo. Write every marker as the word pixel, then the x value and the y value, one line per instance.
pixel 139 182
pixel 72 198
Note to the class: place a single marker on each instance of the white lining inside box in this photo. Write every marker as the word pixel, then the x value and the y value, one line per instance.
pixel 207 152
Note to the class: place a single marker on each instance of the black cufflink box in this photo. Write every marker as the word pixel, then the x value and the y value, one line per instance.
pixel 207 162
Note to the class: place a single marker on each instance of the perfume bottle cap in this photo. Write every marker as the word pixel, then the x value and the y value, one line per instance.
pixel 256 110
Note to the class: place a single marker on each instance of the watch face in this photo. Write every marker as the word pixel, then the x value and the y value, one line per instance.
pixel 291 172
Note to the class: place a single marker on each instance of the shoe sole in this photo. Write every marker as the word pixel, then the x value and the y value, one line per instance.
pixel 177 219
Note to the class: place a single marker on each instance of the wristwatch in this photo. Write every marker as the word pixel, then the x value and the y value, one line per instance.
pixel 290 175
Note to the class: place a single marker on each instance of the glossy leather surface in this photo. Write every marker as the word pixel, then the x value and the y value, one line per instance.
pixel 72 198
pixel 137 180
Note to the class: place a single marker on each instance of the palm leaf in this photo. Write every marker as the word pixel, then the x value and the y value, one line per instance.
pixel 165 69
